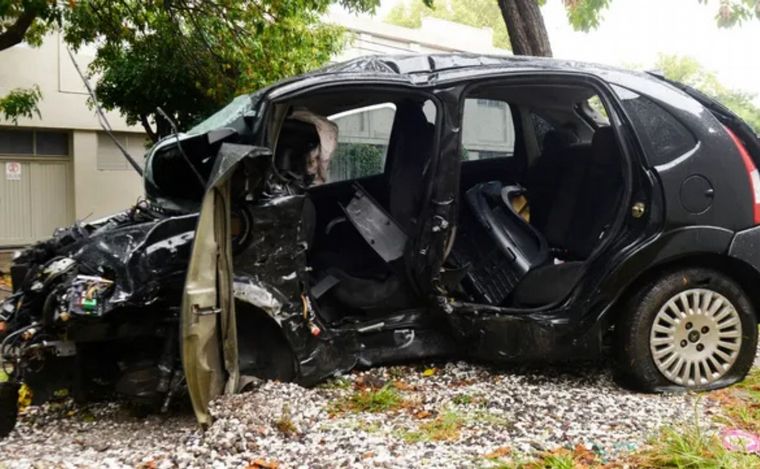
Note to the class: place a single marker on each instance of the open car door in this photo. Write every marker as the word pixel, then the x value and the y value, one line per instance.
pixel 207 324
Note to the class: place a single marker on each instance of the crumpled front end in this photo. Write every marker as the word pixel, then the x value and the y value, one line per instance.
pixel 94 308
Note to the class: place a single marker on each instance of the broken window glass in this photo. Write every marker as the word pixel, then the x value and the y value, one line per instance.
pixel 661 135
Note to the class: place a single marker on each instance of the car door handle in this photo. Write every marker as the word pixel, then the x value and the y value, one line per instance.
pixel 206 310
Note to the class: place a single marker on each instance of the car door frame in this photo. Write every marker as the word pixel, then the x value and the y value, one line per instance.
pixel 427 246
pixel 573 323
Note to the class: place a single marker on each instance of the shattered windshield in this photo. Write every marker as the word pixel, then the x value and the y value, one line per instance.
pixel 225 116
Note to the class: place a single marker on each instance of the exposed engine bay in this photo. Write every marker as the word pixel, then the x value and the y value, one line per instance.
pixel 109 288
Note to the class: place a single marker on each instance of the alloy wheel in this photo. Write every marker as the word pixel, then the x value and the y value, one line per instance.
pixel 696 337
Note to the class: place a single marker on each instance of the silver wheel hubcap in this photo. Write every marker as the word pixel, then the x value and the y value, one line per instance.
pixel 696 337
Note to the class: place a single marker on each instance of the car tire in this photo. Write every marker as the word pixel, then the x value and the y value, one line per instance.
pixel 691 329
pixel 8 407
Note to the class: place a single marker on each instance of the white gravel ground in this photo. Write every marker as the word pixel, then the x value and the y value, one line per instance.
pixel 297 427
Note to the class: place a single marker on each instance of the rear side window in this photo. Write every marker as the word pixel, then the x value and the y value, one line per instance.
pixel 663 137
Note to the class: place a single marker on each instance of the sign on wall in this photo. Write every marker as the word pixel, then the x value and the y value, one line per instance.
pixel 13 171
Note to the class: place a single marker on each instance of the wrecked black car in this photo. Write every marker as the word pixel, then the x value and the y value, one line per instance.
pixel 402 208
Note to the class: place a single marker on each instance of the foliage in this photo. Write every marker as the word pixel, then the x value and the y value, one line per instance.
pixel 20 102
pixel 734 12
pixel 27 20
pixel 741 403
pixel 688 71
pixel 284 424
pixel 477 13
pixel 188 56
pixel 690 447
pixel 355 160
pixel 445 427
pixel 585 15
pixel 385 399
pixel 191 57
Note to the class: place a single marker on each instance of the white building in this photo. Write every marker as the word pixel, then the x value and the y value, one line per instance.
pixel 62 167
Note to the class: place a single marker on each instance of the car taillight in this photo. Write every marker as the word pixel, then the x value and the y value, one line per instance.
pixel 754 176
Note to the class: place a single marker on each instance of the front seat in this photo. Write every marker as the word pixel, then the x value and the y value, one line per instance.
pixel 410 149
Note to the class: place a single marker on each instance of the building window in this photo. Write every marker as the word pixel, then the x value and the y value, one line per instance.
pixel 487 129
pixel 363 137
pixel 109 156
pixel 29 142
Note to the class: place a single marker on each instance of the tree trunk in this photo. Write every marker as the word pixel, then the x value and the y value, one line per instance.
pixel 526 28
pixel 15 33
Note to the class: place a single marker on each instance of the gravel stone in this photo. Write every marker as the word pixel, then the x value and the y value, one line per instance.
pixel 292 426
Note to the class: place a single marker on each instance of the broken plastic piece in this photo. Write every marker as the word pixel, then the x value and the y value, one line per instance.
pixel 736 439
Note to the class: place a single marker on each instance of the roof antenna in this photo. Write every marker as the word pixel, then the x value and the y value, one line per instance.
pixel 179 145
pixel 102 120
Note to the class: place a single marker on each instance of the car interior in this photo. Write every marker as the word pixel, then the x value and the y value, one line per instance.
pixel 536 200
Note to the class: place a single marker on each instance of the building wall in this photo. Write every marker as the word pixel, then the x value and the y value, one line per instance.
pixel 99 192
pixel 92 191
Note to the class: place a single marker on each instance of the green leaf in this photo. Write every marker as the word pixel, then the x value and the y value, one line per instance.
pixel 21 102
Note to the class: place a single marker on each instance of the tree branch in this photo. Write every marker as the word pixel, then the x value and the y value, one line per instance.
pixel 16 32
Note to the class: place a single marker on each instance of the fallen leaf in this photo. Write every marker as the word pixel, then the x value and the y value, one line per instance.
pixel 422 414
pixel 263 464
pixel 402 386
pixel 499 452
pixel 429 372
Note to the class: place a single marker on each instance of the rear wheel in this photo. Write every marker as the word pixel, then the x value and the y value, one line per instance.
pixel 690 329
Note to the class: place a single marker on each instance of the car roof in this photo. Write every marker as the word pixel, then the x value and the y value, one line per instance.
pixel 426 64
pixel 423 69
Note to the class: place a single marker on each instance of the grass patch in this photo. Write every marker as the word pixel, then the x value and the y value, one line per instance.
pixel 560 458
pixel 384 399
pixel 340 382
pixel 445 427
pixel 284 424
pixel 462 399
pixel 690 447
pixel 488 418
pixel 741 402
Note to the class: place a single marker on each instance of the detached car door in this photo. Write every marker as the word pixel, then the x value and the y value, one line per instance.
pixel 207 323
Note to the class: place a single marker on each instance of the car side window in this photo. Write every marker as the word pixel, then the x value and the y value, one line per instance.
pixel 363 137
pixel 663 137
pixel 487 129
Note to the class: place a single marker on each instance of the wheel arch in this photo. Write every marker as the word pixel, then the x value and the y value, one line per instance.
pixel 261 336
pixel 743 273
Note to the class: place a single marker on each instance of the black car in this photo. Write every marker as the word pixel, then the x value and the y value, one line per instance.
pixel 342 219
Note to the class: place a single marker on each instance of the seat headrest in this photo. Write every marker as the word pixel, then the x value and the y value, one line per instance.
pixel 604 147
pixel 557 140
